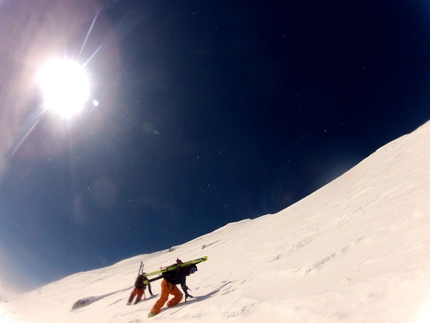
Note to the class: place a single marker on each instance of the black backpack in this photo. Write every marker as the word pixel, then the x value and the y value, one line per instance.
pixel 171 275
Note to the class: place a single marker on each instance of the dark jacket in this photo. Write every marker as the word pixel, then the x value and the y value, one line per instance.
pixel 139 282
pixel 179 276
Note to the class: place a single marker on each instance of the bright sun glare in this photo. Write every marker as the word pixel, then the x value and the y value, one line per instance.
pixel 65 87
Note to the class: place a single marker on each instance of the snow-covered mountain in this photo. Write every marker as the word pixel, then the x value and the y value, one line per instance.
pixel 356 250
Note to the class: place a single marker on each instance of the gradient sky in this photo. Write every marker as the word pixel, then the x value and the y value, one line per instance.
pixel 210 112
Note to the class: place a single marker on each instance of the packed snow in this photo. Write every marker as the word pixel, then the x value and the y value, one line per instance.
pixel 356 250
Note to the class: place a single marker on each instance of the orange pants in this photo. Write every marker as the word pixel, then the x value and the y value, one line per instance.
pixel 166 290
pixel 136 292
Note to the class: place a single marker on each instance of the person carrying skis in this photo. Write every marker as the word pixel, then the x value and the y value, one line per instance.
pixel 139 289
pixel 168 287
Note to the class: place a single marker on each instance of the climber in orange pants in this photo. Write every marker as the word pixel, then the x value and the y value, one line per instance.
pixel 139 289
pixel 168 287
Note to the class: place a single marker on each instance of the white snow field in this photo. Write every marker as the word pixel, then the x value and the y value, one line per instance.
pixel 356 250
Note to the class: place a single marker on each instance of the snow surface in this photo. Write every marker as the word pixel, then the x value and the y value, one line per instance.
pixel 356 250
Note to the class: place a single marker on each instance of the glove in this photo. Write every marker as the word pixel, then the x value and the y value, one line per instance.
pixel 185 289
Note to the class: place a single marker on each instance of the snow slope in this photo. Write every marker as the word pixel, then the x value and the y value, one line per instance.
pixel 356 250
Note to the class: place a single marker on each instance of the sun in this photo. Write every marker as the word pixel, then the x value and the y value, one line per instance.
pixel 65 87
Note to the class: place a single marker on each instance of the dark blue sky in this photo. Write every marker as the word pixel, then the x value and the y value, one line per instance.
pixel 210 112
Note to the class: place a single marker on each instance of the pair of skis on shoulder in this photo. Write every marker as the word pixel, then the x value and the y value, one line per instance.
pixel 175 266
